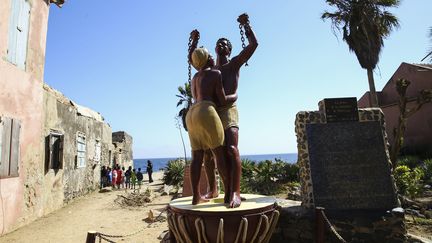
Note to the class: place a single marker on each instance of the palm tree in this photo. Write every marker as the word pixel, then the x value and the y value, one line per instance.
pixel 364 25
pixel 430 52
pixel 185 100
pixel 430 36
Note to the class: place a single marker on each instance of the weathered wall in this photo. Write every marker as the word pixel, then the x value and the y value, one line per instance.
pixel 71 181
pixel 21 98
pixel 123 154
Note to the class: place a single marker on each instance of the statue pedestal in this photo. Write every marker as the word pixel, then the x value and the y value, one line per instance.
pixel 253 221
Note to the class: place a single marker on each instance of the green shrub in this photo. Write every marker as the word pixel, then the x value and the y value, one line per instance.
pixel 291 173
pixel 173 173
pixel 408 181
pixel 410 161
pixel 427 168
pixel 267 177
pixel 248 173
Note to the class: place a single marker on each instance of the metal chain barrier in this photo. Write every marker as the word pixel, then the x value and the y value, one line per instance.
pixel 331 227
pixel 105 237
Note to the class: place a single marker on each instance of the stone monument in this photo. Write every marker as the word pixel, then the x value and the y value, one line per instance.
pixel 345 168
pixel 344 157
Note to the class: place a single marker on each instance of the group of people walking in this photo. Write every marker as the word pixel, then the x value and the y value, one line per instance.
pixel 118 177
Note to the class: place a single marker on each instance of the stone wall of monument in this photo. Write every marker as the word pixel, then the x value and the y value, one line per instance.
pixel 305 118
pixel 297 224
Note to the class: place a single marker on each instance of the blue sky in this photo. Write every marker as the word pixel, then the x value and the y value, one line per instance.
pixel 127 60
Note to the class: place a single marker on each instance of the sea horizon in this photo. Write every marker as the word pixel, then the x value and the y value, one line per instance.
pixel 160 163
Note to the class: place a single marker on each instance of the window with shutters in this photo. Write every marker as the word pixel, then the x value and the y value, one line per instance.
pixel 18 32
pixel 97 156
pixel 54 151
pixel 81 150
pixel 9 147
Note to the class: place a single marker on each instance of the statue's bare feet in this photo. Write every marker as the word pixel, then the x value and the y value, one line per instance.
pixel 227 198
pixel 211 194
pixel 198 199
pixel 235 200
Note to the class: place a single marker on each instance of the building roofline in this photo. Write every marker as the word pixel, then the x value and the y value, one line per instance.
pixel 426 66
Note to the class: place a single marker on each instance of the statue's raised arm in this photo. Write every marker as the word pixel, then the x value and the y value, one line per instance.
pixel 193 42
pixel 248 50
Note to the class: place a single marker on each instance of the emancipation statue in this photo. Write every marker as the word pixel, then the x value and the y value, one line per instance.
pixel 230 166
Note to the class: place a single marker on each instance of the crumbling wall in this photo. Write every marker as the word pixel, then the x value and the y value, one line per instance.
pixel 123 154
pixel 72 181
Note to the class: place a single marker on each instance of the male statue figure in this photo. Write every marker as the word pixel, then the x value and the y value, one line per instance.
pixel 204 125
pixel 228 114
pixel 230 70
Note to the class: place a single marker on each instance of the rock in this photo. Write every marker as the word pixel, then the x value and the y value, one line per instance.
pixel 166 238
pixel 425 202
pixel 155 216
pixel 150 216
pixel 105 189
pixel 414 212
pixel 163 234
pixel 416 238
pixel 398 212
pixel 428 214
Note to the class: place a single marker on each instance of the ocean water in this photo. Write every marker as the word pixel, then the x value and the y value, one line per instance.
pixel 160 163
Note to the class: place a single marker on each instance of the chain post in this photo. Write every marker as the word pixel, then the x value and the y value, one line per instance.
pixel 319 225
pixel 91 236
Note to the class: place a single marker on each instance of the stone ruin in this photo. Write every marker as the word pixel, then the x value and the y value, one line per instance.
pixel 345 168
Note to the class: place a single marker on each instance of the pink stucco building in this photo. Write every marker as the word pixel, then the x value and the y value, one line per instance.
pixel 23 30
pixel 418 135
pixel 51 149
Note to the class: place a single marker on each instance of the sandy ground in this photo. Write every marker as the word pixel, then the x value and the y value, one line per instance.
pixel 97 212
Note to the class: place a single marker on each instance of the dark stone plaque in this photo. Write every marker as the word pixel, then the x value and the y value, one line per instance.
pixel 349 166
pixel 341 109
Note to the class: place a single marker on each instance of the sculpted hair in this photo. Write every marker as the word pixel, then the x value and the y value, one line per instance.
pixel 228 42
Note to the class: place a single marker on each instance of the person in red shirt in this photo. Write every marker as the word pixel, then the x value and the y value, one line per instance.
pixel 119 176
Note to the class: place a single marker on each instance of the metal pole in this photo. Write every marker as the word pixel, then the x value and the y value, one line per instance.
pixel 91 237
pixel 319 225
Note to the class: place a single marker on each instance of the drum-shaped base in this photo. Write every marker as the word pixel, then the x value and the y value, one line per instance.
pixel 253 221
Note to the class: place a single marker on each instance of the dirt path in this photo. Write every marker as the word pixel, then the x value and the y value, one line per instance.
pixel 98 212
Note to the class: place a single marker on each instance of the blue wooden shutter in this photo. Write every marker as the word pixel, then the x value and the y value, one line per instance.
pixel 6 146
pixel 18 32
pixel 15 148
pixel 13 30
pixel 23 30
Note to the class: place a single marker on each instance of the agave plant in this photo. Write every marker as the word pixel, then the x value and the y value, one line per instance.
pixel 266 178
pixel 173 174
